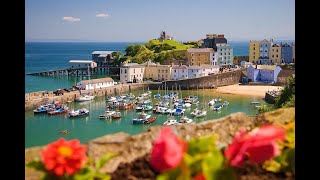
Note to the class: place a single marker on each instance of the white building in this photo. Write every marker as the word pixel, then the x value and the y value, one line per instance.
pixel 179 72
pixel 202 70
pixel 95 83
pixel 224 54
pixel 131 71
pixel 76 64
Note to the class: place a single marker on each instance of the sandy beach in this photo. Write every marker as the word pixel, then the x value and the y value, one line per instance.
pixel 246 90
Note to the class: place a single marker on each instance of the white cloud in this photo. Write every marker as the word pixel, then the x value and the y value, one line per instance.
pixel 70 19
pixel 103 15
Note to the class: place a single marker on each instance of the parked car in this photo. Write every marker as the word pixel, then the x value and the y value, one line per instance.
pixel 59 92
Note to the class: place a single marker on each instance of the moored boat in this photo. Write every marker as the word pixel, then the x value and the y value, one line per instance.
pixel 78 113
pixel 185 120
pixel 150 120
pixel 141 118
pixel 42 109
pixel 116 115
pixel 170 121
pixel 59 110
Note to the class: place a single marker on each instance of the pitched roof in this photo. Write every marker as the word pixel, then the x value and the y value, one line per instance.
pixel 81 61
pixel 286 73
pixel 193 50
pixel 180 67
pixel 267 67
pixel 102 52
pixel 95 81
pixel 133 65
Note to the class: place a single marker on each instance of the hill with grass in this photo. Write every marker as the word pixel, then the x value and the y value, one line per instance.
pixel 156 51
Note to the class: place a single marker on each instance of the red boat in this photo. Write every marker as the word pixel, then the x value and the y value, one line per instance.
pixel 126 106
pixel 150 120
pixel 116 115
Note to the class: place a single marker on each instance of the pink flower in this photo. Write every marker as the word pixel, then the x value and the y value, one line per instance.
pixel 258 145
pixel 63 156
pixel 167 151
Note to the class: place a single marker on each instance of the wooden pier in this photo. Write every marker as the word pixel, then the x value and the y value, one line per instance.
pixel 73 72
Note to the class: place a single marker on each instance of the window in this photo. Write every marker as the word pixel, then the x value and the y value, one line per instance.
pixel 192 70
pixel 254 48
pixel 125 71
pixel 134 70
pixel 277 50
pixel 266 45
pixel 254 57
pixel 158 75
pixel 221 54
pixel 191 54
pixel 141 70
pixel 162 75
pixel 121 71
pixel 166 71
pixel 225 57
pixel 79 65
pixel 192 60
pixel 254 44
pixel 229 53
pixel 182 70
pixel 277 55
pixel 174 76
pixel 182 76
pixel 261 46
pixel 272 49
pixel 175 70
pixel 191 64
pixel 272 55
pixel 225 53
pixel 162 71
pixel 71 66
pixel 166 75
pixel 265 51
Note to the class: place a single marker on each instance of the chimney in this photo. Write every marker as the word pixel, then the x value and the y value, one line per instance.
pixel 271 40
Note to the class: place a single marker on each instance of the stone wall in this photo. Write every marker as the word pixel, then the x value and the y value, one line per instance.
pixel 130 148
pixel 216 80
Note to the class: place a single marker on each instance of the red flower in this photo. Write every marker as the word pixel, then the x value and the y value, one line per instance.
pixel 167 151
pixel 258 145
pixel 199 176
pixel 63 156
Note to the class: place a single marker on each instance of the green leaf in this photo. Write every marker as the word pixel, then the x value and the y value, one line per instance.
pixel 202 145
pixel 225 174
pixel 291 159
pixel 212 164
pixel 37 165
pixel 272 166
pixel 103 160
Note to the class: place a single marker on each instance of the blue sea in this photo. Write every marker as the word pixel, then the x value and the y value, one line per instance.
pixel 43 56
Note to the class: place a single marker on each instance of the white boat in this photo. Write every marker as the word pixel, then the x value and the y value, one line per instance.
pixel 160 110
pixel 107 114
pixel 86 97
pixel 254 102
pixel 198 113
pixel 170 121
pixel 201 113
pixel 187 105
pixel 111 99
pixel 141 118
pixel 217 108
pixel 185 120
pixel 78 113
pixel 211 102
pixel 225 103
pixel 179 111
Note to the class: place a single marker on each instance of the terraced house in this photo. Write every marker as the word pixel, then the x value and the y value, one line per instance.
pixel 199 56
pixel 179 72
pixel 157 71
pixel 254 51
pixel 131 72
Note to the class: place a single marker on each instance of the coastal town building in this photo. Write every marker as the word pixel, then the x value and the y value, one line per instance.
pixel 95 83
pixel 264 55
pixel 212 40
pixel 245 64
pixel 132 72
pixel 286 53
pixel 202 70
pixel 102 58
pixel 179 72
pixel 270 53
pixel 283 76
pixel 263 73
pixel 224 54
pixel 157 71
pixel 254 51
pixel 78 64
pixel 199 56
pixel 275 54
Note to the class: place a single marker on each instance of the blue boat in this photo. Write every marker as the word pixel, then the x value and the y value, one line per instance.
pixel 217 108
pixel 142 118
pixel 179 111
pixel 41 109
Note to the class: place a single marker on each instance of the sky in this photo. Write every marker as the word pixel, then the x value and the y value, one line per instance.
pixel 142 20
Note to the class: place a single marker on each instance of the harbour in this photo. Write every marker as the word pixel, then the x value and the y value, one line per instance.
pixel 42 128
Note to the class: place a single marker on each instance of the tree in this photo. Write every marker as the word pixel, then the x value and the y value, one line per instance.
pixel 287 97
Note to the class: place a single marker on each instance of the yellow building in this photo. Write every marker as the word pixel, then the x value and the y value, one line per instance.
pixel 157 71
pixel 199 56
pixel 275 54
pixel 254 51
